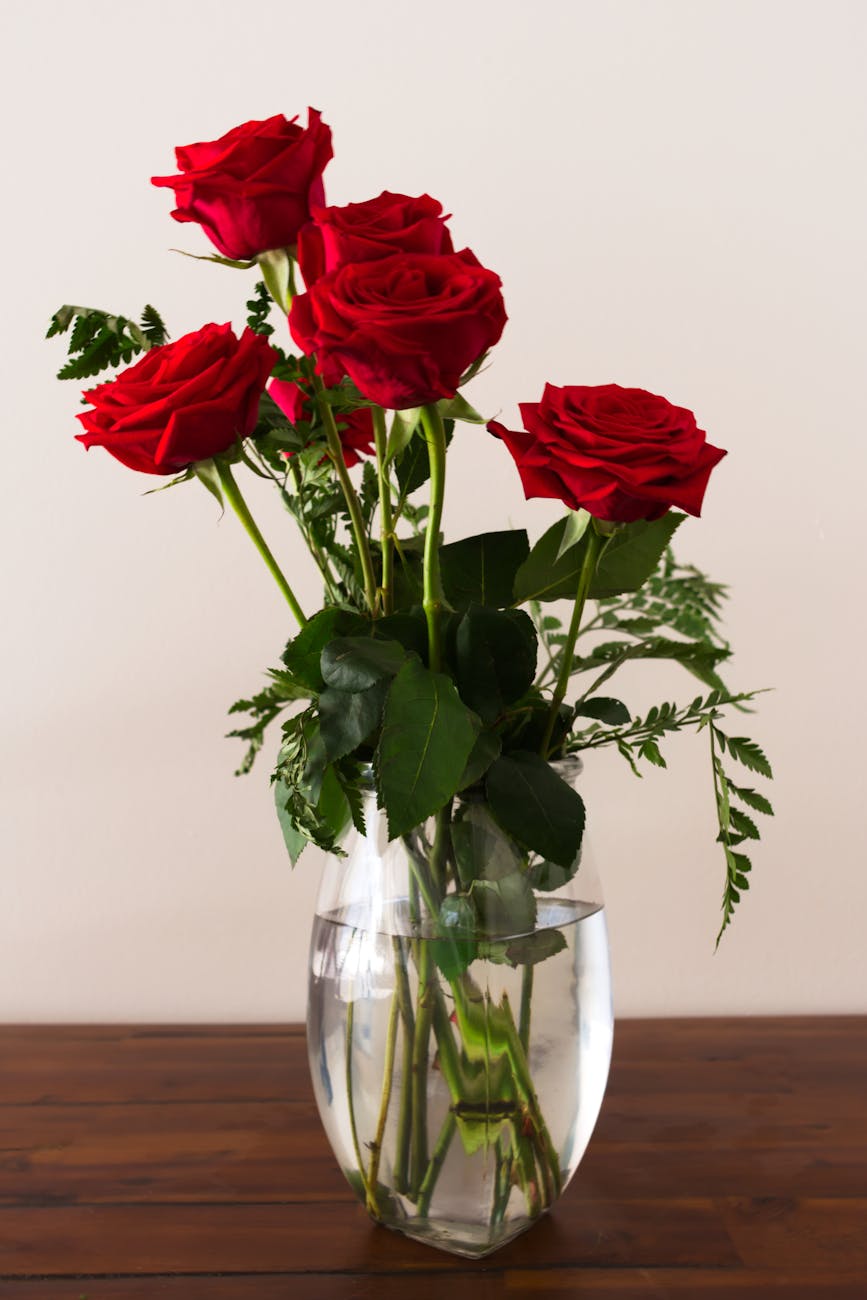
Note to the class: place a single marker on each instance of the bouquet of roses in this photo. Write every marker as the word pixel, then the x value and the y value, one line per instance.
pixel 441 675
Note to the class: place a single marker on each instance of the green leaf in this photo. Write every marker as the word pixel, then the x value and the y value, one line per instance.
pixel 487 747
pixel 534 805
pixel 413 467
pixel 496 658
pixel 426 739
pixel 751 798
pixel 604 709
pixel 549 573
pixel 576 527
pixel 530 949
pixel 352 663
pixel 547 876
pixel 347 718
pixel 303 654
pixel 749 753
pixel 505 906
pixel 632 554
pixel 294 840
pixel 481 569
pixel 276 264
pixel 153 327
pixel 454 952
pixel 409 627
pixel 458 408
pixel 99 341
pixel 482 850
pixel 743 825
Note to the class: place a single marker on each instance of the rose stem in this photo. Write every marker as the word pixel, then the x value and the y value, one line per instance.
pixel 350 1018
pixel 526 1004
pixel 387 1074
pixel 387 522
pixel 524 1081
pixel 436 449
pixel 436 1163
pixel 241 509
pixel 588 568
pixel 404 1117
pixel 423 1017
pixel 335 451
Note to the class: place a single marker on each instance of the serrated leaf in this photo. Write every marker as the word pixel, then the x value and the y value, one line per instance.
pixel 751 798
pixel 347 718
pixel 303 654
pixel 413 467
pixel 496 658
pixel 749 753
pixel 481 570
pixel 426 738
pixel 534 805
pixel 632 554
pixel 354 663
pixel 604 709
pixel 549 573
pixel 487 747
pixel 742 824
pixel 530 949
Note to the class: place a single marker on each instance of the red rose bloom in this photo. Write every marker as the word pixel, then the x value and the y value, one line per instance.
pixel 362 232
pixel 182 402
pixel 403 328
pixel 355 427
pixel 621 453
pixel 252 189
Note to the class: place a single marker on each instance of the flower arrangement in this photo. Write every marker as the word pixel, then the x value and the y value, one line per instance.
pixel 439 673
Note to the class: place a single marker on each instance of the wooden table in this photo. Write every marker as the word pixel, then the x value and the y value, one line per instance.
pixel 730 1163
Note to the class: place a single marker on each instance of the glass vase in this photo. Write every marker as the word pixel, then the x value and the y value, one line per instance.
pixel 459 1024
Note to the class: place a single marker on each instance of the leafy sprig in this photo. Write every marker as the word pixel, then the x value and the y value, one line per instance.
pixel 100 341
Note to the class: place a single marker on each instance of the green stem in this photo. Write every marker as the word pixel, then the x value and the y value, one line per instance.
pixel 423 1018
pixel 524 1081
pixel 385 503
pixel 526 1007
pixel 588 569
pixel 436 450
pixel 404 1116
pixel 436 1163
pixel 350 1019
pixel 233 495
pixel 385 1099
pixel 335 451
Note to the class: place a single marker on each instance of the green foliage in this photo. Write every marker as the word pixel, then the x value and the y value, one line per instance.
pixel 604 709
pixel 481 570
pixel 413 467
pixel 535 806
pixel 633 553
pixel 426 739
pixel 495 658
pixel 354 663
pixel 303 654
pixel 311 804
pixel 100 341
pixel 264 707
pixel 347 718
pixel 259 309
pixel 735 825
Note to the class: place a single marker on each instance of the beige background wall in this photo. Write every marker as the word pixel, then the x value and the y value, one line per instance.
pixel 673 192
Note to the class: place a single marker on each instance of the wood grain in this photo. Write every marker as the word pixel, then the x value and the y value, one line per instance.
pixel 730 1161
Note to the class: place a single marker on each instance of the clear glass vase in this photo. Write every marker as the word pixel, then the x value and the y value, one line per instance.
pixel 459 1054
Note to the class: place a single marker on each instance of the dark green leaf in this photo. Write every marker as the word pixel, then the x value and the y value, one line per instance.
pixel 353 663
pixel 547 876
pixel 347 718
pixel 409 627
pixel 743 825
pixel 426 739
pixel 496 658
pixel 633 553
pixel 454 952
pixel 413 467
pixel 548 574
pixel 749 753
pixel 505 906
pixel 481 570
pixel 487 747
pixel 295 841
pixel 303 654
pixel 751 798
pixel 530 949
pixel 533 804
pixel 604 709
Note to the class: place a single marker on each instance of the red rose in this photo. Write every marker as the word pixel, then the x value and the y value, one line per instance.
pixel 355 427
pixel 621 453
pixel 252 189
pixel 404 328
pixel 183 402
pixel 362 232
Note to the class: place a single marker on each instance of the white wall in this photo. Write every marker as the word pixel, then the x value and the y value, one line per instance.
pixel 673 192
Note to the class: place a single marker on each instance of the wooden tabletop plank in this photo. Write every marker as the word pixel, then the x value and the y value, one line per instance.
pixel 730 1160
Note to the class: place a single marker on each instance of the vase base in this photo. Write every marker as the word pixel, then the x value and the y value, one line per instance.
pixel 471 1241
